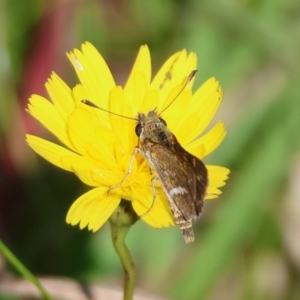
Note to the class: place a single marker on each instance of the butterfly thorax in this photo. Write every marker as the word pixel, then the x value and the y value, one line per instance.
pixel 154 129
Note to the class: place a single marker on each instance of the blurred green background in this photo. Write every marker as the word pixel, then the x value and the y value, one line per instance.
pixel 248 240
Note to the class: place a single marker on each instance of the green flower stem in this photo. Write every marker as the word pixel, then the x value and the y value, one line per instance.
pixel 121 221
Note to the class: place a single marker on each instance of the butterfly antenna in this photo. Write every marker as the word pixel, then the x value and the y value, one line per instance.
pixel 89 103
pixel 188 80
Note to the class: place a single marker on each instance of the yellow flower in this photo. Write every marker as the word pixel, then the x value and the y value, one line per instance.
pixel 98 145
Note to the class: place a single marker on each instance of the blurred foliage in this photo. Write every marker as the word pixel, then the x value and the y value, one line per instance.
pixel 253 48
pixel 11 258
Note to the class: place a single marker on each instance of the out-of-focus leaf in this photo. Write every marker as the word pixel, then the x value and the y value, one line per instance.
pixel 13 260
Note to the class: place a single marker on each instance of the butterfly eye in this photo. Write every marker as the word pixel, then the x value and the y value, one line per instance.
pixel 163 121
pixel 138 129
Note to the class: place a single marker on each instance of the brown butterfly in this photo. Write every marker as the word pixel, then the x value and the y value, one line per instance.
pixel 183 176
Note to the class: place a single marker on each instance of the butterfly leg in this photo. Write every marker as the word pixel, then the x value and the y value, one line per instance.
pixel 136 149
pixel 154 195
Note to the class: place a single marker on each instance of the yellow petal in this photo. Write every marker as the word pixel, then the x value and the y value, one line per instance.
pixel 51 152
pixel 90 171
pixel 160 215
pixel 142 64
pixel 83 126
pixel 93 73
pixel 139 80
pixel 79 94
pixel 150 102
pixel 83 168
pixel 209 141
pixel 101 149
pixel 185 131
pixel 99 116
pixel 191 64
pixel 46 113
pixel 135 91
pixel 205 103
pixel 123 127
pixel 176 78
pixel 107 177
pixel 176 112
pixel 92 209
pixel 216 179
pixel 169 76
pixel 196 150
pixel 61 95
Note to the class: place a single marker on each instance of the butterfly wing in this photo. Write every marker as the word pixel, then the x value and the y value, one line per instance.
pixel 183 177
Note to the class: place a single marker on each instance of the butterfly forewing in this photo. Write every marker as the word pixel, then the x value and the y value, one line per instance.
pixel 182 175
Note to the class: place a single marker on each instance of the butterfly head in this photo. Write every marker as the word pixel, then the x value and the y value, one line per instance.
pixel 149 123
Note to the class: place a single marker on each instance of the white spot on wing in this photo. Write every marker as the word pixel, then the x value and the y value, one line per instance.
pixel 178 190
pixel 78 65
